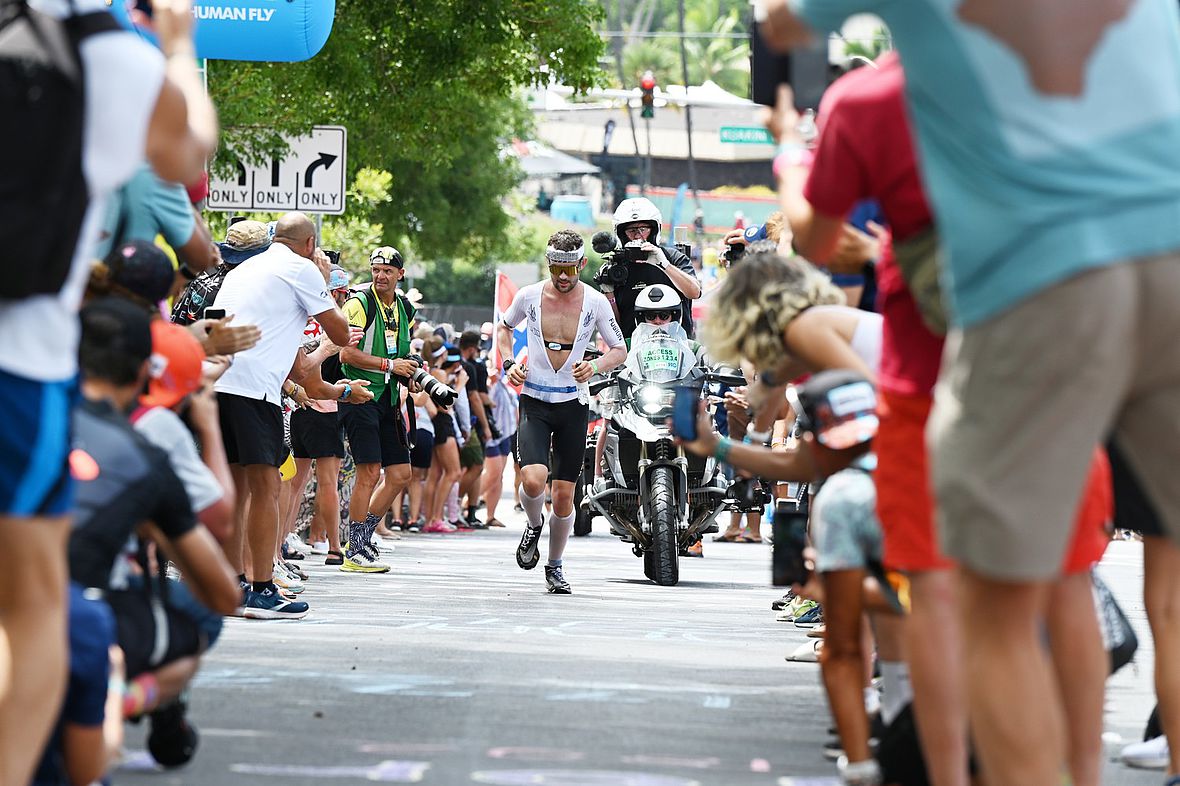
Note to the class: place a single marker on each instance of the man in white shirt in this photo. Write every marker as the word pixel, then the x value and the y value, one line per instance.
pixel 277 291
pixel 137 102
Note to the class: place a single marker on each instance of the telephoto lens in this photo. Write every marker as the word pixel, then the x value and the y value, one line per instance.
pixel 442 395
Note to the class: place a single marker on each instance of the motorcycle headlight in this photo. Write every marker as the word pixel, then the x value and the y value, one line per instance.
pixel 651 399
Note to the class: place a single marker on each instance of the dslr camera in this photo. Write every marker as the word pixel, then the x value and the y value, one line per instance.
pixel 442 395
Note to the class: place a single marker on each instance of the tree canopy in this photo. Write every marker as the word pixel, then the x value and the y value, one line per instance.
pixel 430 93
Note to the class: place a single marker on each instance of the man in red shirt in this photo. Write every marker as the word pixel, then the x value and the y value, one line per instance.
pixel 865 151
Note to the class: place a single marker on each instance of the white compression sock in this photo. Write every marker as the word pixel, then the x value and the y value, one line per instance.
pixel 534 508
pixel 895 689
pixel 560 528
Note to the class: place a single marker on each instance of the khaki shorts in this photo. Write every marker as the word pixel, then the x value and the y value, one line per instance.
pixel 1024 397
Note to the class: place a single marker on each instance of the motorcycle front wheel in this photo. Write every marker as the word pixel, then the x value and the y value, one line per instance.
pixel 661 562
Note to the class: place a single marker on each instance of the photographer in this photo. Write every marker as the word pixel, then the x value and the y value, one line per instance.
pixel 638 261
pixel 376 432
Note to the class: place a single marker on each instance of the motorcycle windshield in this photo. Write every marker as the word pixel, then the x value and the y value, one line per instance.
pixel 659 354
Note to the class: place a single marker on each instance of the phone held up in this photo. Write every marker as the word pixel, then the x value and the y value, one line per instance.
pixel 684 412
pixel 213 313
pixel 787 565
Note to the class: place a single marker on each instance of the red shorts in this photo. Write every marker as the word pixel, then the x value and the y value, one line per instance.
pixel 905 504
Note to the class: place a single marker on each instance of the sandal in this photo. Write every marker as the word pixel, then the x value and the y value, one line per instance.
pixel 725 537
pixel 495 523
pixel 749 539
pixel 334 558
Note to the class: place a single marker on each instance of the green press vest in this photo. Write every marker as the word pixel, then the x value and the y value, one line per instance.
pixel 373 343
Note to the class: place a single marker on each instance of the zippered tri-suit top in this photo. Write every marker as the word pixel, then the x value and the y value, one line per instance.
pixel 550 414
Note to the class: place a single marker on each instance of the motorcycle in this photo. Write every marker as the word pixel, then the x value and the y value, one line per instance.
pixel 652 493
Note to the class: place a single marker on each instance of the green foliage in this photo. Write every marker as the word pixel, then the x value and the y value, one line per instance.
pixel 429 93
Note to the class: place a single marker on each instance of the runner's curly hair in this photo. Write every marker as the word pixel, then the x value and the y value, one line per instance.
pixel 757 300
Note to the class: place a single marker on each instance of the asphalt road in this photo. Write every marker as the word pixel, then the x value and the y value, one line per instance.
pixel 458 668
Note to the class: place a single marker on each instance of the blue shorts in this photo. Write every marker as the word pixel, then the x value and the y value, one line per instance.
pixel 501 447
pixel 35 446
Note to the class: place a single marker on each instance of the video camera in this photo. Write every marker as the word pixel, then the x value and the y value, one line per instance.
pixel 616 258
pixel 442 395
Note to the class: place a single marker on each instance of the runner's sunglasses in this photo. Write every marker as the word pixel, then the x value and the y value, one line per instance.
pixel 648 316
pixel 559 269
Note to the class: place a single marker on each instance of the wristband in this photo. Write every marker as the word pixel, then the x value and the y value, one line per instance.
pixel 721 452
pixel 386 365
pixel 347 391
pixel 594 366
pixel 792 154
pixel 760 437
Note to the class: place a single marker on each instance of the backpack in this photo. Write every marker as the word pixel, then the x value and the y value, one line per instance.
pixel 43 189
pixel 199 294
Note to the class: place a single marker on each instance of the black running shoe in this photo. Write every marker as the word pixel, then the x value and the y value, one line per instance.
pixel 172 740
pixel 556 581
pixel 527 553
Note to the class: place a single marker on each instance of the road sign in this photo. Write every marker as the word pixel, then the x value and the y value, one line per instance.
pixel 746 135
pixel 310 178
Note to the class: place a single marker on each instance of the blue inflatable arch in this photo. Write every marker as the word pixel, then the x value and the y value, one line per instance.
pixel 263 30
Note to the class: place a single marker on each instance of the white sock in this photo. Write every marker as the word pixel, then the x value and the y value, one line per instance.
pixel 896 691
pixel 534 508
pixel 872 700
pixel 560 528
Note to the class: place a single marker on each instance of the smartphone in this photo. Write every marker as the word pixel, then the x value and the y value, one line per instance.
pixel 790 538
pixel 805 69
pixel 213 313
pixel 684 412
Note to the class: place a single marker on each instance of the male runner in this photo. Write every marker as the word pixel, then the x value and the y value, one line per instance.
pixel 562 314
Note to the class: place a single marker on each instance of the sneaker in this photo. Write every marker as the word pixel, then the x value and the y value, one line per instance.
pixel 794 609
pixel 245 587
pixel 377 545
pixel 267 605
pixel 807 652
pixel 296 570
pixel 833 749
pixel 286 580
pixel 554 579
pixel 417 524
pixel 319 548
pixel 695 550
pixel 782 602
pixel 363 562
pixel 810 618
pixel 172 740
pixel 295 543
pixel 439 526
pixel 1150 755
pixel 527 553
pixel 462 524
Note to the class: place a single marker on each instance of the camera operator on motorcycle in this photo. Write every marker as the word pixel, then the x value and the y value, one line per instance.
pixel 639 261
pixel 562 315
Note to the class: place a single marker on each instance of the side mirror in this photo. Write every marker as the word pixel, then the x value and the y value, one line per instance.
pixel 596 386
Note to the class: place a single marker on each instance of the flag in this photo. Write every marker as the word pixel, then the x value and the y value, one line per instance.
pixel 505 292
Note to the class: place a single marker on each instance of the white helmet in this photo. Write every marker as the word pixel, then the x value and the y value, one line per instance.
pixel 636 210
pixel 657 297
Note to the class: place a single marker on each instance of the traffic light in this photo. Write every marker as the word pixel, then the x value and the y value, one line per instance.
pixel 648 85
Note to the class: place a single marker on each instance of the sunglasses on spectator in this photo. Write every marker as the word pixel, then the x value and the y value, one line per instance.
pixel 569 270
pixel 648 316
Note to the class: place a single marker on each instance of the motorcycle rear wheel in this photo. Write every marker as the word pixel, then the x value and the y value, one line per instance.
pixel 661 562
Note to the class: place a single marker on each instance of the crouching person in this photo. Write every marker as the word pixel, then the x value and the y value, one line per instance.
pixel 133 515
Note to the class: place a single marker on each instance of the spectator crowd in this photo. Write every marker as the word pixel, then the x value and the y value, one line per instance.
pixel 955 333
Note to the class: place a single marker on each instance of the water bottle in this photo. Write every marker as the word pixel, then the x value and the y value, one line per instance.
pixel 583 393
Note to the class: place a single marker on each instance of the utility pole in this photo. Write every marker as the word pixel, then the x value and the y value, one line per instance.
pixel 647 86
pixel 692 167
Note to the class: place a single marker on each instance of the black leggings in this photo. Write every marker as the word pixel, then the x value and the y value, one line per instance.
pixel 557 428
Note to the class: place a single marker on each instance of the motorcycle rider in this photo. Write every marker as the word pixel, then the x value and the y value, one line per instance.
pixel 562 314
pixel 637 220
